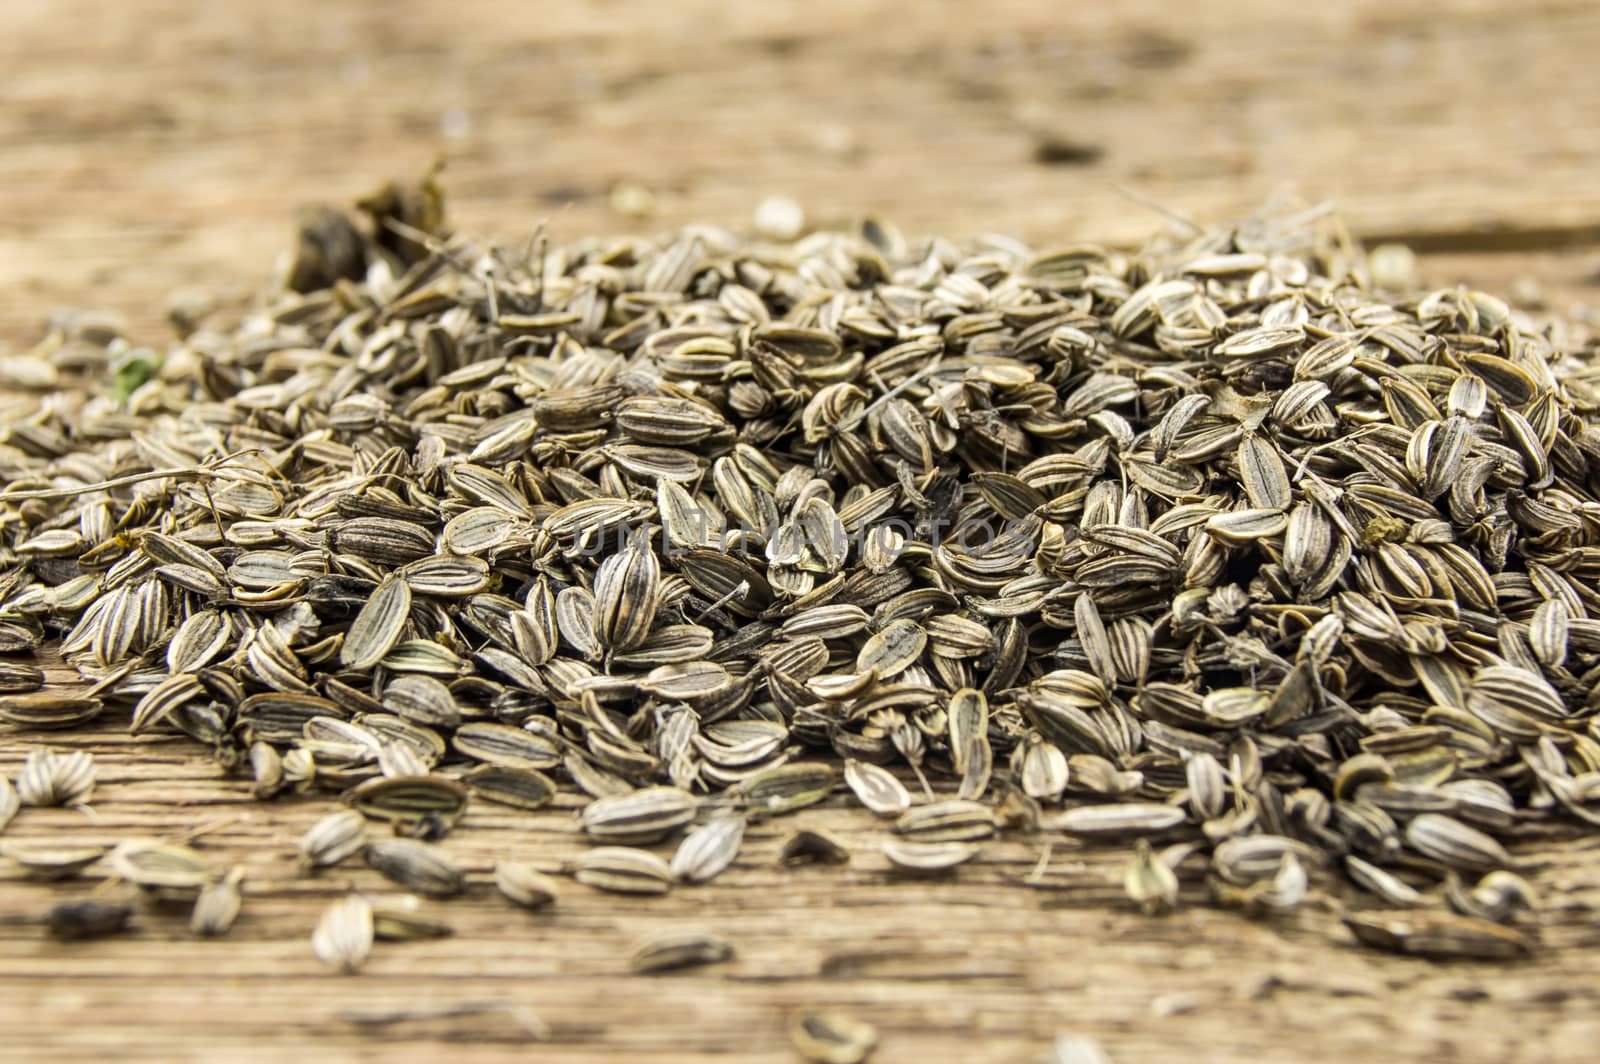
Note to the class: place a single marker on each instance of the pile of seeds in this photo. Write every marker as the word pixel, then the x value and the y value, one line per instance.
pixel 1212 549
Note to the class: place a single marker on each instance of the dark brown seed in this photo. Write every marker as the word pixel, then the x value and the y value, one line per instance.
pixel 87 918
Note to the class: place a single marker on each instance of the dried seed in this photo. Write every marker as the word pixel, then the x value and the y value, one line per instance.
pixel 525 885
pixel 807 846
pixel 378 626
pixel 876 788
pixel 333 838
pixel 10 802
pixel 707 850
pixel 401 919
pixel 521 788
pixel 48 710
pixel 948 821
pixel 218 905
pixel 623 870
pixel 416 866
pixel 929 856
pixel 1118 821
pixel 678 949
pixel 50 779
pixel 1149 881
pixel 86 918
pixel 1454 844
pixel 832 1038
pixel 51 862
pixel 408 801
pixel 343 937
pixel 1443 936
pixel 643 816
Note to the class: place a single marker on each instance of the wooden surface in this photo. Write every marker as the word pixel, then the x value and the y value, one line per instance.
pixel 158 144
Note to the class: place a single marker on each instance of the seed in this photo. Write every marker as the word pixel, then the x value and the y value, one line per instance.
pixel 929 856
pixel 422 700
pixel 517 787
pixel 332 839
pixel 72 921
pixel 1077 1049
pixel 49 778
pixel 416 866
pixel 10 802
pixel 48 709
pixel 1149 882
pixel 643 816
pixel 949 821
pixel 678 949
pixel 1443 936
pixel 159 867
pixel 876 788
pixel 400 918
pixel 776 791
pixel 407 801
pixel 623 870
pixel 217 906
pixel 832 1038
pixel 1116 821
pixel 50 862
pixel 377 627
pixel 500 744
pixel 811 847
pixel 1454 844
pixel 343 938
pixel 1045 771
pixel 525 885
pixel 1385 885
pixel 968 718
pixel 627 593
pixel 709 849
pixel 892 650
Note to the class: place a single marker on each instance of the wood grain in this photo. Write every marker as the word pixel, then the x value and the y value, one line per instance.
pixel 156 144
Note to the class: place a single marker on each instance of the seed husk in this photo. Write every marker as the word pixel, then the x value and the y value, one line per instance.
pixel 1149 882
pixel 378 626
pixel 501 744
pixel 1454 844
pixel 48 709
